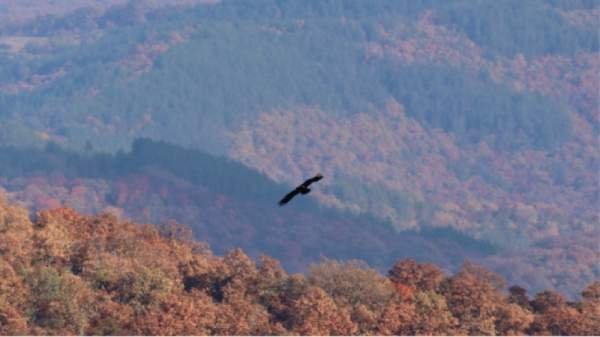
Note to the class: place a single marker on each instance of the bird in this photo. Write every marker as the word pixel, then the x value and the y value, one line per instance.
pixel 301 189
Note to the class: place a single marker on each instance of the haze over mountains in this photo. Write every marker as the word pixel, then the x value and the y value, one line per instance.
pixel 445 130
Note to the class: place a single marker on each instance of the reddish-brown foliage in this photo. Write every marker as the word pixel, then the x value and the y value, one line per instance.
pixel 65 273
pixel 422 277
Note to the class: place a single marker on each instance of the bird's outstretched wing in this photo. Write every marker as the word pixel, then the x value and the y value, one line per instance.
pixel 312 180
pixel 302 188
pixel 289 197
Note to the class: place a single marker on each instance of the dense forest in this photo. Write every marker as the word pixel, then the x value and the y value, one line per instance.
pixel 129 66
pixel 64 273
pixel 445 129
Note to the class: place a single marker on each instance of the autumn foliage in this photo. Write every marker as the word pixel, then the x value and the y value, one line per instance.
pixel 65 273
pixel 535 203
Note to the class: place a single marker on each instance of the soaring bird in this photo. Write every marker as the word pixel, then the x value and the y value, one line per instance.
pixel 301 189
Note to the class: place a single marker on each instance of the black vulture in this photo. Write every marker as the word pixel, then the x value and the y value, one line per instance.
pixel 301 189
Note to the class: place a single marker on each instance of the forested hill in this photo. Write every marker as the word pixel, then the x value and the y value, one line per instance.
pixel 109 76
pixel 66 274
pixel 226 204
pixel 425 116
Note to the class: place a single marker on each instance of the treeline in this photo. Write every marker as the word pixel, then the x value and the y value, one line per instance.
pixel 63 273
